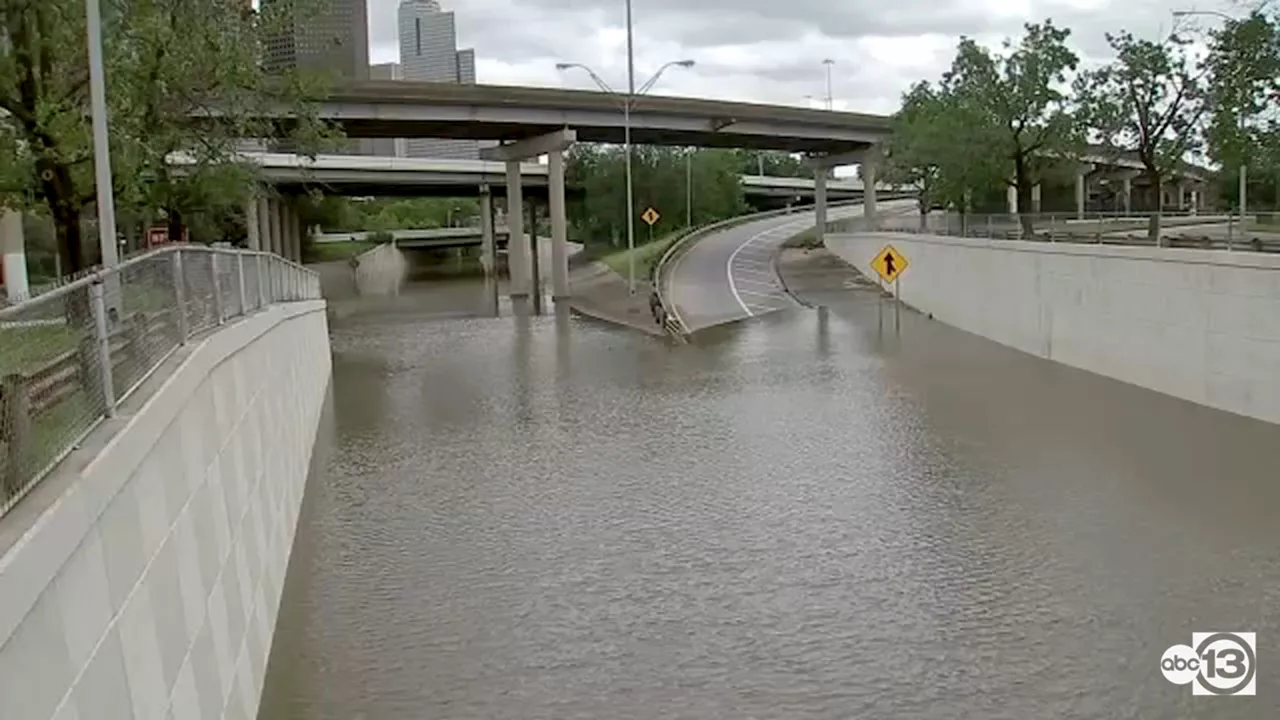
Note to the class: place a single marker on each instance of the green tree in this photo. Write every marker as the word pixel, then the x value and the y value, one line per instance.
pixel 1014 107
pixel 1244 67
pixel 661 180
pixel 1148 101
pixel 183 78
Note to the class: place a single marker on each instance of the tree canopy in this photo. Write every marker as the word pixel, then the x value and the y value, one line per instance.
pixel 171 66
pixel 659 179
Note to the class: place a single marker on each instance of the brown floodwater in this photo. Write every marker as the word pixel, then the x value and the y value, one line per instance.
pixel 805 516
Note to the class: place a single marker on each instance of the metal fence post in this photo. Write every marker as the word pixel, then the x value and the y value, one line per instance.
pixel 98 306
pixel 218 310
pixel 180 298
pixel 262 281
pixel 244 305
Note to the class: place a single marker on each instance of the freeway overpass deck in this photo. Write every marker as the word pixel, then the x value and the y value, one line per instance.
pixel 391 109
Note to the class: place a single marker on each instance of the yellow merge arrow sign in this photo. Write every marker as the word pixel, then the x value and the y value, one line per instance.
pixel 650 216
pixel 889 263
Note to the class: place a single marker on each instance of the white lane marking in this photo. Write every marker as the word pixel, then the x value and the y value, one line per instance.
pixel 772 295
pixel 728 270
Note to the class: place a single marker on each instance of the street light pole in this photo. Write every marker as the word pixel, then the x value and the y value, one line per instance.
pixel 626 130
pixel 101 149
pixel 632 93
pixel 829 62
pixel 689 187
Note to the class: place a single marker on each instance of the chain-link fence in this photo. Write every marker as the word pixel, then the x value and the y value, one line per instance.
pixel 1258 231
pixel 68 357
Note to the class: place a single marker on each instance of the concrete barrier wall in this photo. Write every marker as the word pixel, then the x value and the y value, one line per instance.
pixel 143 578
pixel 1201 325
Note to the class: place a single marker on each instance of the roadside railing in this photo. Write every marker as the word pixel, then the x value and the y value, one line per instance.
pixel 70 356
pixel 1258 232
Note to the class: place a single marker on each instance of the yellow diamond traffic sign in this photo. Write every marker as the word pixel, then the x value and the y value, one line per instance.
pixel 650 216
pixel 889 263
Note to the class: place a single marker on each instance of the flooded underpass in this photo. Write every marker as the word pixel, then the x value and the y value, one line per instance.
pixel 810 515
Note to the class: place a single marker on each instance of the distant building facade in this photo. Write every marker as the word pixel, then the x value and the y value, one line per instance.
pixel 330 38
pixel 429 53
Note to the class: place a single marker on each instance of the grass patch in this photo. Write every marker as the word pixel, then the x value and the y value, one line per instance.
pixel 646 256
pixel 25 349
pixel 325 252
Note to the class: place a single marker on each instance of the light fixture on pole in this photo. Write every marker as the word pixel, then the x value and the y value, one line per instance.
pixel 829 62
pixel 101 148
pixel 627 103
pixel 1244 171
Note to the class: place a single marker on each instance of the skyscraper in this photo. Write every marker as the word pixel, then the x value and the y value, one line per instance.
pixel 429 53
pixel 330 36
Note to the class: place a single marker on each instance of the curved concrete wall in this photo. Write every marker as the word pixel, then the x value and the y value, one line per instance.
pixel 142 579
pixel 1201 325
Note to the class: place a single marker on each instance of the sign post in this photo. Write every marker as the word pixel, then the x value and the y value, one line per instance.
pixel 889 264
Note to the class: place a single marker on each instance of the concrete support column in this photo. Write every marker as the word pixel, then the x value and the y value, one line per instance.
pixel 869 165
pixel 488 249
pixel 295 234
pixel 1080 195
pixel 1035 198
pixel 1128 195
pixel 1011 196
pixel 559 228
pixel 535 259
pixel 517 244
pixel 13 253
pixel 820 203
pixel 263 217
pixel 275 245
pixel 253 240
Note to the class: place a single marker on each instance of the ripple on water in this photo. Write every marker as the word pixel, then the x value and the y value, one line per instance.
pixel 792 520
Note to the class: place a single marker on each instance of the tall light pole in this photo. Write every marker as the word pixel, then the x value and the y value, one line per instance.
pixel 627 102
pixel 829 62
pixel 1244 170
pixel 688 187
pixel 101 149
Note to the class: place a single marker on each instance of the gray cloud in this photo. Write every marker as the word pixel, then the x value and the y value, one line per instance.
pixel 762 50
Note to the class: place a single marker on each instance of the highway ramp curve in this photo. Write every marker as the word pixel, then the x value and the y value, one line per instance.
pixel 729 275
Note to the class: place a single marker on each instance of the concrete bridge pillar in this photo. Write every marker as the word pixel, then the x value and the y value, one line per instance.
pixel 1011 198
pixel 294 234
pixel 275 244
pixel 823 165
pixel 13 253
pixel 1128 194
pixel 1081 192
pixel 552 145
pixel 870 162
pixel 820 202
pixel 1035 199
pixel 517 245
pixel 489 249
pixel 252 239
pixel 262 216
pixel 559 228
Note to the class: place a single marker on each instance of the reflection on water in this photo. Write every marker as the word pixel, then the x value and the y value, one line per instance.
pixel 799 517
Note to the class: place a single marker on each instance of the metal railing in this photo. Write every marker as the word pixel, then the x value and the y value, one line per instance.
pixel 1257 232
pixel 70 356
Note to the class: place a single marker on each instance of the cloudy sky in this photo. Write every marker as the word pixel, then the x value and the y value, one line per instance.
pixel 762 50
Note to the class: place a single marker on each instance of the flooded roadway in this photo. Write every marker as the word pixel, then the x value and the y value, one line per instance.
pixel 803 516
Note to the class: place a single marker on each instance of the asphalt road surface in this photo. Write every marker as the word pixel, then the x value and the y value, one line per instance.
pixel 730 276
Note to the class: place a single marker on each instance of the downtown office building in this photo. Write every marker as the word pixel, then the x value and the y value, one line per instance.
pixel 429 53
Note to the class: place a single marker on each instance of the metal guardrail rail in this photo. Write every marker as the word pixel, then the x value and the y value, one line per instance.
pixel 70 356
pixel 1258 232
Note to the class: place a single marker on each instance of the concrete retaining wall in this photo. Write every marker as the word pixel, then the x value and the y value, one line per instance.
pixel 142 579
pixel 1201 325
